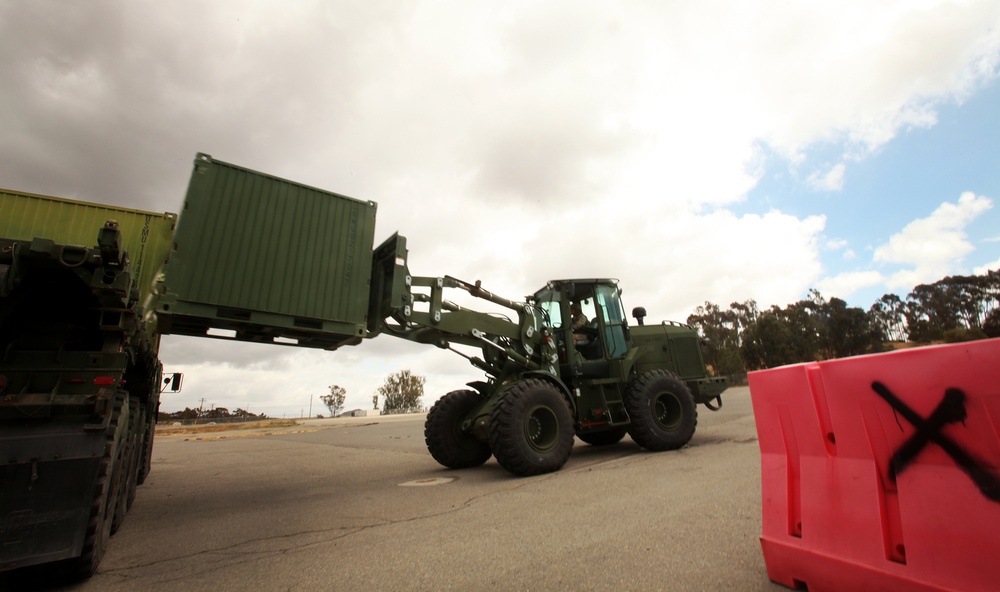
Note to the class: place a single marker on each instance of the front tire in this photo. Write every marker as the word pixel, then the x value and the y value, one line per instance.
pixel 662 411
pixel 446 441
pixel 531 428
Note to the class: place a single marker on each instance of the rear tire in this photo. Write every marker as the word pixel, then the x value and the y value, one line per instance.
pixel 125 464
pixel 149 430
pixel 662 411
pixel 446 441
pixel 531 428
pixel 138 429
pixel 106 494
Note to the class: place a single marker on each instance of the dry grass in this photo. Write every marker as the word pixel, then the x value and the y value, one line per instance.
pixel 167 429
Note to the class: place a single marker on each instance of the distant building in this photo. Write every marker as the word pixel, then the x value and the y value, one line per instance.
pixel 361 413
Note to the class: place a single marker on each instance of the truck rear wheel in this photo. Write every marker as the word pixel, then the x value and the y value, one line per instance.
pixel 531 428
pixel 125 464
pixel 149 430
pixel 605 438
pixel 135 458
pixel 106 493
pixel 662 411
pixel 446 441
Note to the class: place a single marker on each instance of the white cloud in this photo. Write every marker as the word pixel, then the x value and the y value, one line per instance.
pixel 839 244
pixel 831 180
pixel 930 247
pixel 846 284
pixel 865 73
pixel 982 270
pixel 510 142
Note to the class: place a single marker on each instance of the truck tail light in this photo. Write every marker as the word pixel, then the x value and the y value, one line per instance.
pixel 105 380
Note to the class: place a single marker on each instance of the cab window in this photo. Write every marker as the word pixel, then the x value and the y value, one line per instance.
pixel 614 319
pixel 549 302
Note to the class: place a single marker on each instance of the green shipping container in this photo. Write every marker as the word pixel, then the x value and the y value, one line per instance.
pixel 258 258
pixel 146 236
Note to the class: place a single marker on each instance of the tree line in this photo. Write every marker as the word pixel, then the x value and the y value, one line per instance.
pixel 745 338
pixel 214 414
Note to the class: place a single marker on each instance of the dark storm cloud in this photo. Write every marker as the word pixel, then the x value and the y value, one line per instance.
pixel 109 102
pixel 54 81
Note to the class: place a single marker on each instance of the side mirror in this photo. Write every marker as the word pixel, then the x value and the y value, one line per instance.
pixel 173 382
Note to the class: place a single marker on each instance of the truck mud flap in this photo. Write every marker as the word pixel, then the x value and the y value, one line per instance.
pixel 45 499
pixel 44 508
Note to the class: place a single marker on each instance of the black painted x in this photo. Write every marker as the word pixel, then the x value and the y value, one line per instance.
pixel 951 409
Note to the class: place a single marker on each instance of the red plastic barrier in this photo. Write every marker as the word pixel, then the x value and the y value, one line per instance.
pixel 882 472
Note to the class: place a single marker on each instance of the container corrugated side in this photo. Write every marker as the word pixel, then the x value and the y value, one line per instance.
pixel 266 258
pixel 146 236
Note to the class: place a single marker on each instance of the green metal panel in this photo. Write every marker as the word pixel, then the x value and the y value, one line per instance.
pixel 266 258
pixel 670 346
pixel 146 236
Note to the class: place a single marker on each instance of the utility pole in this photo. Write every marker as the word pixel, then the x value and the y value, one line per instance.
pixel 310 405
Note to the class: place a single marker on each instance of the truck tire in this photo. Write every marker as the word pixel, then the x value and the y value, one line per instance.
pixel 605 438
pixel 531 428
pixel 662 411
pixel 447 443
pixel 149 430
pixel 106 490
pixel 135 455
pixel 124 465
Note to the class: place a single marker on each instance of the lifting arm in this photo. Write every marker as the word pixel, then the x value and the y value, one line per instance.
pixel 395 293
pixel 445 323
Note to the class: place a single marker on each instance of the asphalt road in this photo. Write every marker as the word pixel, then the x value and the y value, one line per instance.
pixel 359 504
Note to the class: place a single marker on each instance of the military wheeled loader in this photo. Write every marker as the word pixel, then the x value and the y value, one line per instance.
pixel 564 363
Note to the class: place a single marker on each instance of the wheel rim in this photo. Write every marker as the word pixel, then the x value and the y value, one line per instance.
pixel 667 411
pixel 541 428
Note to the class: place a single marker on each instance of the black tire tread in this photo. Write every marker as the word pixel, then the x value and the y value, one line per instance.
pixel 149 430
pixel 105 499
pixel 643 427
pixel 507 438
pixel 448 445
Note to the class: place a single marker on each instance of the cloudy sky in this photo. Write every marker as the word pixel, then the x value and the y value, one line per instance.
pixel 709 151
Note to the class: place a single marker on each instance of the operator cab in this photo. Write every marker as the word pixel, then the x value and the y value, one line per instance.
pixel 586 318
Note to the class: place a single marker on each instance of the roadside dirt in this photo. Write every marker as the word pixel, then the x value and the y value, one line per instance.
pixel 169 430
